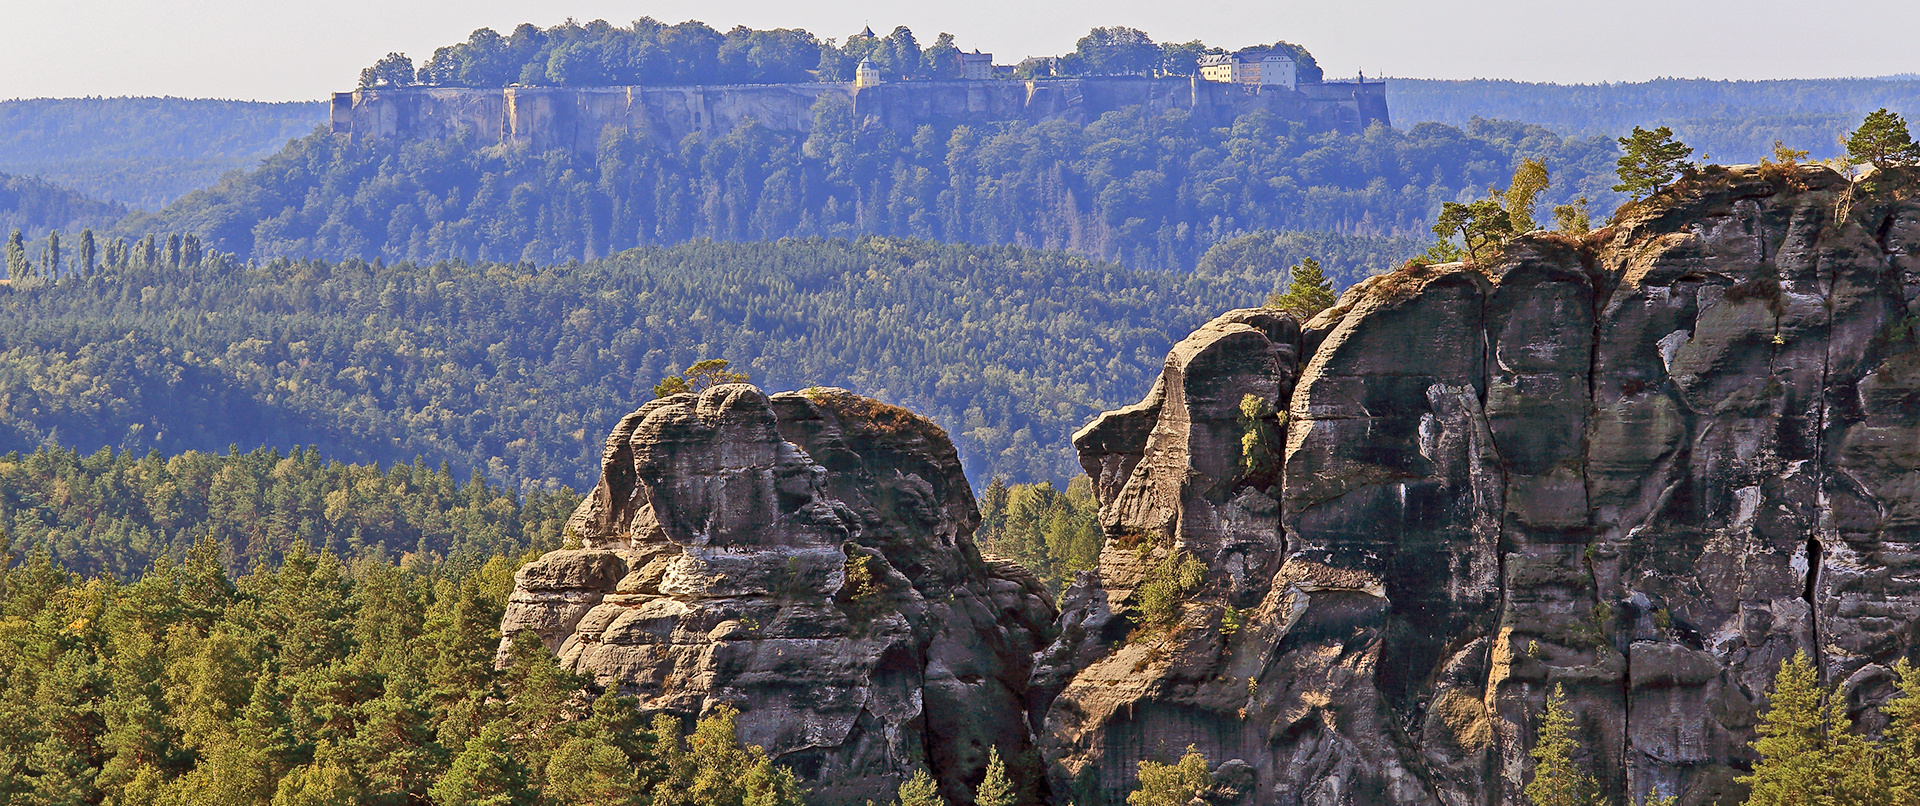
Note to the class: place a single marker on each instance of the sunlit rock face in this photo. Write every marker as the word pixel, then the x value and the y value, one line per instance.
pixel 808 560
pixel 1644 467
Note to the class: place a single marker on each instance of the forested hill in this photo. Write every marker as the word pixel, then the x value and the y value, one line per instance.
pixel 35 207
pixel 1151 192
pixel 1732 121
pixel 145 152
pixel 520 371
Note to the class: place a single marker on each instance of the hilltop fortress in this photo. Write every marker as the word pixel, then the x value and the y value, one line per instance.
pixel 549 118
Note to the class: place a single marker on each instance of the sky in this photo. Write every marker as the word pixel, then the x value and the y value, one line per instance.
pixel 278 50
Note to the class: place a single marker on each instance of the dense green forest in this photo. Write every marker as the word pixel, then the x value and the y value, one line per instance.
pixel 519 371
pixel 1148 191
pixel 318 681
pixel 145 152
pixel 36 207
pixel 1053 533
pixel 1729 122
pixel 116 513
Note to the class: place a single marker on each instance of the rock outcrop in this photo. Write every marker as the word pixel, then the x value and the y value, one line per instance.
pixel 1643 467
pixel 1346 560
pixel 808 560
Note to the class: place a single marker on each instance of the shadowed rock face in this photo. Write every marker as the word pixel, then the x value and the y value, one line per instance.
pixel 1645 467
pixel 809 561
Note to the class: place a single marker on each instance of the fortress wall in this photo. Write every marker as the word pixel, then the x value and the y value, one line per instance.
pixel 904 107
pixel 548 118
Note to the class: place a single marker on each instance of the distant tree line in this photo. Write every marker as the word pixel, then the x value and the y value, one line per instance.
pixel 652 53
pixel 519 371
pixel 1727 122
pixel 1151 191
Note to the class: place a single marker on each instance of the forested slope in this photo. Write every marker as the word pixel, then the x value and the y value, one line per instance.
pixel 145 152
pixel 519 370
pixel 1147 191
pixel 35 207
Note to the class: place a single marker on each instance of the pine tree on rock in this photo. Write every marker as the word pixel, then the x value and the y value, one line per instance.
pixel 1308 291
pixel 1650 160
pixel 1882 140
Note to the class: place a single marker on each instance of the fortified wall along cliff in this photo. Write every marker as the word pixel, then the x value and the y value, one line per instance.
pixel 548 118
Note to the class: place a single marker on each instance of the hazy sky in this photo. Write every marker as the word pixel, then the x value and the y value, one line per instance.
pixel 304 49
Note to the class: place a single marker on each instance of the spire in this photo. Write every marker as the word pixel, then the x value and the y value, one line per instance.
pixel 867 32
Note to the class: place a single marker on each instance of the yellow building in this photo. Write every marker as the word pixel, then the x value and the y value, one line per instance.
pixel 866 75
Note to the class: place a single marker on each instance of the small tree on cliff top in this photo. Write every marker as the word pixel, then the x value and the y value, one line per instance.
pixel 1883 140
pixel 698 378
pixel 1308 291
pixel 1650 159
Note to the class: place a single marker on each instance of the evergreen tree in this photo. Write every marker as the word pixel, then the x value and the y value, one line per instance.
pixel 1902 737
pixel 1882 140
pixel 84 257
pixel 769 784
pixel 1557 779
pixel 995 789
pixel 487 773
pixel 1649 160
pixel 1572 218
pixel 1482 226
pixel 50 257
pixel 1792 741
pixel 920 791
pixel 1308 291
pixel 17 268
pixel 325 782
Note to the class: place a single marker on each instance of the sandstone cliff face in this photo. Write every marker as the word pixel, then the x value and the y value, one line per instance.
pixel 808 560
pixel 1644 467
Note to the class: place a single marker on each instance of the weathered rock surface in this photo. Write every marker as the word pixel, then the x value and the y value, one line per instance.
pixel 1645 467
pixel 808 560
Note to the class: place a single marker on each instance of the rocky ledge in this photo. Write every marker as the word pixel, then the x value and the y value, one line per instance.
pixel 808 560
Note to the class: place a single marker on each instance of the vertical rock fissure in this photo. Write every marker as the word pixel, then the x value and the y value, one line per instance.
pixel 1815 551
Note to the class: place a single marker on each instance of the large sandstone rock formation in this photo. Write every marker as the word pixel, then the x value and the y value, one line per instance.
pixel 1644 467
pixel 807 559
